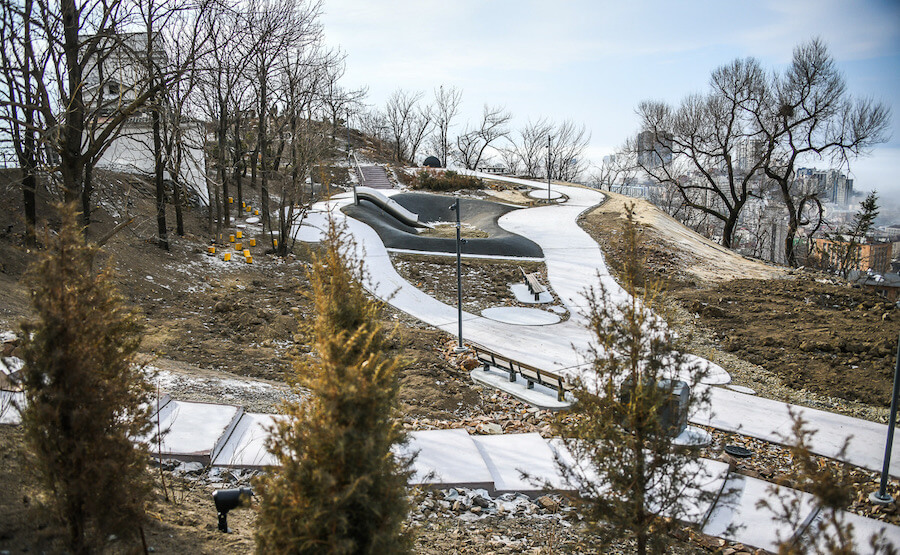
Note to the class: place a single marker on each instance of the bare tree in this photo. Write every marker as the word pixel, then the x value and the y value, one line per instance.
pixel 276 26
pixel 221 73
pixel 567 145
pixel 419 125
pixel 704 132
pixel 182 134
pixel 532 146
pixel 617 170
pixel 308 75
pixel 87 79
pixel 511 158
pixel 403 116
pixel 340 102
pixel 20 120
pixel 494 124
pixel 446 107
pixel 375 124
pixel 805 113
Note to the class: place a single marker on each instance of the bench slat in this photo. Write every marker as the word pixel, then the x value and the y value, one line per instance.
pixel 530 373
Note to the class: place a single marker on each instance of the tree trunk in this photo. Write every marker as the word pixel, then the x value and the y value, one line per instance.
pixel 223 159
pixel 29 184
pixel 238 160
pixel 263 161
pixel 218 214
pixel 254 158
pixel 29 161
pixel 87 188
pixel 71 160
pixel 729 229
pixel 158 178
pixel 179 217
pixel 790 257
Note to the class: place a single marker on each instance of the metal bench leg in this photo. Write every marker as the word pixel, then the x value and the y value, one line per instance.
pixel 560 395
pixel 512 375
pixel 530 384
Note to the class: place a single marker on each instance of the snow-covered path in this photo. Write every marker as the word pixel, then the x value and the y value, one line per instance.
pixel 574 262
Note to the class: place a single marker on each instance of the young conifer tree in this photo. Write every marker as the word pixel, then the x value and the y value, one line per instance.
pixel 831 486
pixel 631 475
pixel 86 400
pixel 339 489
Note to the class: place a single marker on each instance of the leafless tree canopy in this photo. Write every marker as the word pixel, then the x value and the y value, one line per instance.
pixel 446 107
pixel 471 145
pixel 806 113
pixel 702 135
pixel 543 148
pixel 408 123
pixel 719 149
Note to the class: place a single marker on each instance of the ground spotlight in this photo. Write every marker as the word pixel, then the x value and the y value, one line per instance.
pixel 227 499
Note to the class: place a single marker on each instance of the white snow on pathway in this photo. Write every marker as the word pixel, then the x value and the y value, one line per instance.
pixel 574 262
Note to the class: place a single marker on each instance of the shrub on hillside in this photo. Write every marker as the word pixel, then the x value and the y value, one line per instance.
pixel 339 488
pixel 630 471
pixel 449 180
pixel 86 400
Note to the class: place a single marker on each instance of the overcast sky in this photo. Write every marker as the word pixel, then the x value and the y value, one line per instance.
pixel 593 61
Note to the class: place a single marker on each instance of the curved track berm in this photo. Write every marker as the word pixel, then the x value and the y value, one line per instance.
pixel 396 228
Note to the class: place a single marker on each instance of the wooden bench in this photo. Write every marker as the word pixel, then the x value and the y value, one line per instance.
pixel 534 286
pixel 531 374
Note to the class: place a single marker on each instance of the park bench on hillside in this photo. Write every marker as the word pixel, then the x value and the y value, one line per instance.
pixel 534 286
pixel 533 375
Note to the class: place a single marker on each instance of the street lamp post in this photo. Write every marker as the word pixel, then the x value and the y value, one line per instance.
pixel 350 160
pixel 459 241
pixel 881 497
pixel 549 138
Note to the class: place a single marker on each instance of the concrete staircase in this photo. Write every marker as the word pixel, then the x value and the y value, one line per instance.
pixel 375 177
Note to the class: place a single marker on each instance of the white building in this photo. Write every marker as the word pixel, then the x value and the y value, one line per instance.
pixel 115 82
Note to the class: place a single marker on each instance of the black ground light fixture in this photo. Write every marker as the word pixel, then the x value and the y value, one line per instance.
pixel 881 496
pixel 227 499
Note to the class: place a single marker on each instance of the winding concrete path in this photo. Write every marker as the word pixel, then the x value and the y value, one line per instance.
pixel 575 262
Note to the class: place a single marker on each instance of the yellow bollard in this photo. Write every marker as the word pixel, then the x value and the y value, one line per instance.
pixel 238 247
pixel 248 209
pixel 231 238
pixel 211 249
pixel 226 257
pixel 256 212
pixel 243 205
pixel 230 200
pixel 252 242
pixel 239 234
pixel 246 252
pixel 276 243
pixel 249 260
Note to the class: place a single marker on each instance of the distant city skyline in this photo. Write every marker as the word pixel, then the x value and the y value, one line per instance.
pixel 592 62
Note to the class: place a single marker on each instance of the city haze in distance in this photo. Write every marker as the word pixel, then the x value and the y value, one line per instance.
pixel 592 62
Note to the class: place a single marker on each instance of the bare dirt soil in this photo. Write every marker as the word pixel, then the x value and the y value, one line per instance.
pixel 486 283
pixel 818 337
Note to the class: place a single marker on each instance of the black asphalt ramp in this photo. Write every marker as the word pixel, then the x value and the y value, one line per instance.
pixel 433 208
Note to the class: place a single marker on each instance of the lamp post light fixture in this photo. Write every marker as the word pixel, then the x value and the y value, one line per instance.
pixel 350 160
pixel 549 138
pixel 460 348
pixel 881 496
